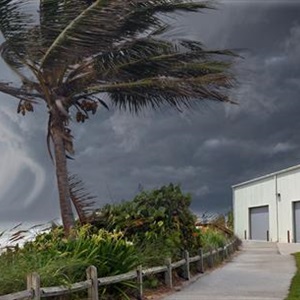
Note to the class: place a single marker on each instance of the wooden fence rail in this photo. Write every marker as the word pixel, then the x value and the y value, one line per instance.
pixel 36 292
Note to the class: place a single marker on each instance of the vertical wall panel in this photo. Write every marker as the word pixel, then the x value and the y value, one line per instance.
pixel 254 194
pixel 289 190
pixel 281 192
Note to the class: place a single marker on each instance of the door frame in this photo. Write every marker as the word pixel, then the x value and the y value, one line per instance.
pixel 294 221
pixel 249 219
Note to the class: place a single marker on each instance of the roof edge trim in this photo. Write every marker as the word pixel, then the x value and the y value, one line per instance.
pixel 266 176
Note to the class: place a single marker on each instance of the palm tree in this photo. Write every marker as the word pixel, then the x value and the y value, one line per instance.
pixel 70 54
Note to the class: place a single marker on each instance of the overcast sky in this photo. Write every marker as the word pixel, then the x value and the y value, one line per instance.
pixel 205 150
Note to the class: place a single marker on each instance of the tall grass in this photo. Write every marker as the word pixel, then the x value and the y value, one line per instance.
pixel 212 238
pixel 61 261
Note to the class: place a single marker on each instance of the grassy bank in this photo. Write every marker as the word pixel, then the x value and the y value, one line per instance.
pixel 144 231
pixel 294 292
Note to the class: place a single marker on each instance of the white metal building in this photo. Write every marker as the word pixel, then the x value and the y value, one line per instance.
pixel 268 207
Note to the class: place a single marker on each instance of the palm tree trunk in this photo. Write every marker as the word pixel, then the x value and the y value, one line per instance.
pixel 67 214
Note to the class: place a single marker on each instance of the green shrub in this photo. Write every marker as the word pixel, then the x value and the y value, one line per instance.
pixel 61 261
pixel 159 217
pixel 212 238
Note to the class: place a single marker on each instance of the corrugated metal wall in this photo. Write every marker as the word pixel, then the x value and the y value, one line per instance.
pixel 289 189
pixel 279 191
pixel 255 194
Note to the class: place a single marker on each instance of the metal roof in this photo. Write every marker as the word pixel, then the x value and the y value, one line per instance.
pixel 267 176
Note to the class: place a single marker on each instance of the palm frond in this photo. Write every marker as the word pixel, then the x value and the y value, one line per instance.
pixel 107 65
pixel 103 39
pixel 81 199
pixel 55 15
pixel 105 23
pixel 157 91
pixel 159 73
pixel 15 19
pixel 19 93
pixel 25 37
pixel 146 15
pixel 147 57
pixel 17 23
pixel 170 64
pixel 19 64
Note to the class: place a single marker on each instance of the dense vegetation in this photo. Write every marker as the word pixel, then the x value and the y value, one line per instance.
pixel 160 219
pixel 63 261
pixel 146 230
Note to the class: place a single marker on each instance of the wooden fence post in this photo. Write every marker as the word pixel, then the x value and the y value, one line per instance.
pixel 34 284
pixel 168 273
pixel 139 272
pixel 91 274
pixel 226 251
pixel 200 265
pixel 216 257
pixel 236 245
pixel 186 266
pixel 222 252
pixel 210 258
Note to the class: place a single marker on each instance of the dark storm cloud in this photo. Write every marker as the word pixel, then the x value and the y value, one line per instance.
pixel 205 150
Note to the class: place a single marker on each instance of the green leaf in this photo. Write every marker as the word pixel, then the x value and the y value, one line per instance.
pixel 99 26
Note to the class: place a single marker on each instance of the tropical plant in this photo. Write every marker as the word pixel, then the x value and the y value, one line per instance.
pixel 70 55
pixel 82 200
pixel 230 220
pixel 62 261
pixel 213 238
pixel 159 222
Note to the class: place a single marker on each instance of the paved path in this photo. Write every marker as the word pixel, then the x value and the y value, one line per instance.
pixel 259 272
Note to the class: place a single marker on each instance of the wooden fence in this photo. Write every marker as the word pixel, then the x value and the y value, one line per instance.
pixel 92 283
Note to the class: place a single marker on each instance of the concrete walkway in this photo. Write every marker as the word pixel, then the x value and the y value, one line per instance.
pixel 259 272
